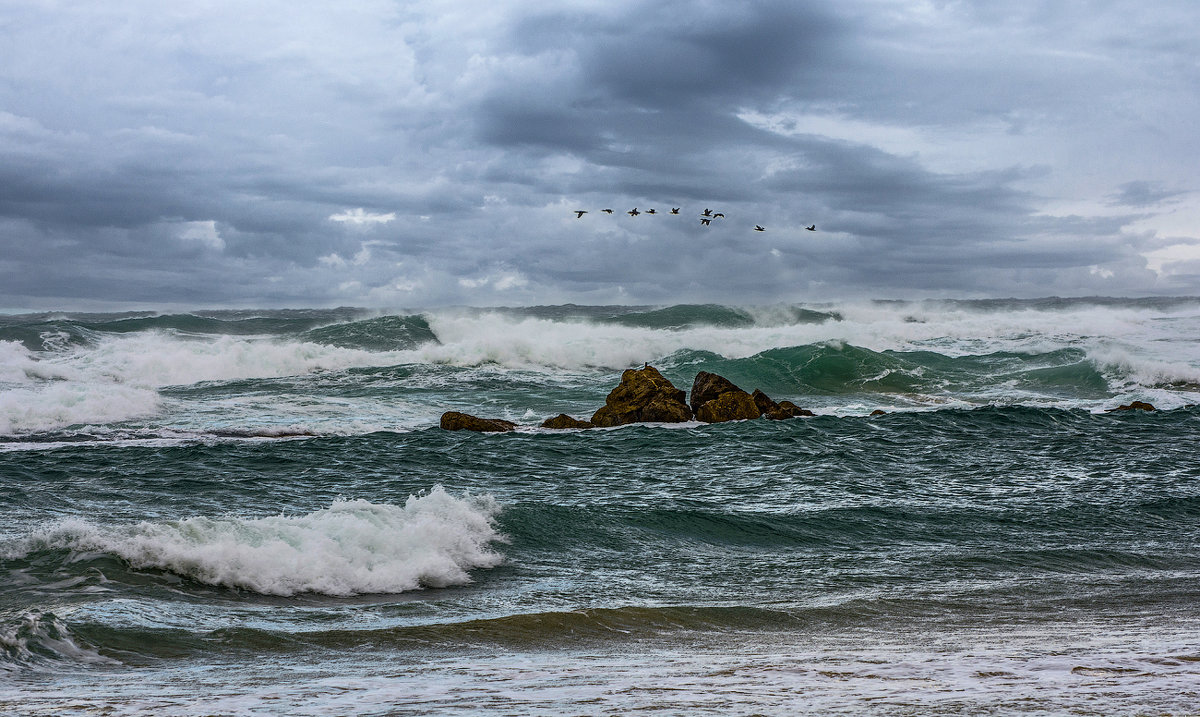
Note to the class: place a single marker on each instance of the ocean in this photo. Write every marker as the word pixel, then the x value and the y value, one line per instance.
pixel 256 512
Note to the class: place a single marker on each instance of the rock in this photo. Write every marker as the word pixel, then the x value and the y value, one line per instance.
pixel 455 421
pixel 563 421
pixel 764 402
pixel 643 395
pixel 716 399
pixel 787 409
pixel 735 405
pixel 708 386
pixel 879 412
pixel 1135 406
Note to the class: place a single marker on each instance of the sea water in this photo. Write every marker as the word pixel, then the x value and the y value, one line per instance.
pixel 255 512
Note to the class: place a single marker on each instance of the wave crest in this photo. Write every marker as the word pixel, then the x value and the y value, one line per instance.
pixel 353 547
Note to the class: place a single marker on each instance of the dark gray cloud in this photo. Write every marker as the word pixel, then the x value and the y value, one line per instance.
pixel 406 155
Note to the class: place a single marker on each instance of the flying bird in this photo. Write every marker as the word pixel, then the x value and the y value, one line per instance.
pixel 718 214
pixel 651 211
pixel 757 228
pixel 705 221
pixel 706 213
pixel 606 211
pixel 579 213
pixel 633 212
pixel 675 210
pixel 813 228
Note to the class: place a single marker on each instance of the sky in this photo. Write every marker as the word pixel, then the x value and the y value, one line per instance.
pixel 418 154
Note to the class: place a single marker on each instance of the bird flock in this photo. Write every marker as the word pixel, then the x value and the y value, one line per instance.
pixel 706 217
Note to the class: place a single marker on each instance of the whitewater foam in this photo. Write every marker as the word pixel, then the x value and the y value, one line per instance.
pixel 353 547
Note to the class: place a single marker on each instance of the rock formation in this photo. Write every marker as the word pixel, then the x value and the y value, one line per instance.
pixel 455 421
pixel 716 399
pixel 562 421
pixel 707 387
pixel 1135 406
pixel 787 409
pixel 735 405
pixel 643 395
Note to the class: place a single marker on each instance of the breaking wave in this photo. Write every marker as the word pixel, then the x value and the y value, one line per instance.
pixel 353 547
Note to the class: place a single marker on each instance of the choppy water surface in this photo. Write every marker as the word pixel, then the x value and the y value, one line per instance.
pixel 255 512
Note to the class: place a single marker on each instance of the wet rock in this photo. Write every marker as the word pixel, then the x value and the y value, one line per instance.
pixel 1135 406
pixel 787 409
pixel 764 402
pixel 455 421
pixel 563 421
pixel 735 405
pixel 716 399
pixel 707 386
pixel 879 412
pixel 643 396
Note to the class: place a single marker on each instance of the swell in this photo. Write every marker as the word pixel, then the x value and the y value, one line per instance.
pixel 45 641
pixel 836 369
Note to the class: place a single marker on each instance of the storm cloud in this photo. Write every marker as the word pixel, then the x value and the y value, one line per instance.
pixel 395 154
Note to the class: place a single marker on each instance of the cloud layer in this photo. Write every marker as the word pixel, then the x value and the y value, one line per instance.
pixel 389 154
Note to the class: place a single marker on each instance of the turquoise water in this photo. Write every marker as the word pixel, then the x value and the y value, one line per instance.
pixel 256 513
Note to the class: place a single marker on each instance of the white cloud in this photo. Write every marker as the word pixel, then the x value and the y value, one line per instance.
pixel 1168 260
pixel 361 217
pixel 204 232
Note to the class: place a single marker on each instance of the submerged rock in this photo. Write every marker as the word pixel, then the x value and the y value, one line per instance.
pixel 563 421
pixel 1135 406
pixel 643 396
pixel 455 421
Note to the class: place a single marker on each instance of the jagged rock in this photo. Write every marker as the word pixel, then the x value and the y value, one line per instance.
pixel 735 405
pixel 787 409
pixel 455 421
pixel 764 402
pixel 643 395
pixel 707 386
pixel 563 421
pixel 1135 406
pixel 776 411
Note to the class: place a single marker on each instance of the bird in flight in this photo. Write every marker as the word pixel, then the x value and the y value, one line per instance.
pixel 674 210
pixel 706 213
pixel 718 214
pixel 579 213
pixel 606 211
pixel 705 221
pixel 757 228
pixel 633 212
pixel 812 228
pixel 651 211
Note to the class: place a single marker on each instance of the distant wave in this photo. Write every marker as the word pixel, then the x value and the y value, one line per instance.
pixel 351 548
pixel 88 370
pixel 384 333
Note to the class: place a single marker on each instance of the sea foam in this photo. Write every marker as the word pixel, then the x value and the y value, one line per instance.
pixel 352 547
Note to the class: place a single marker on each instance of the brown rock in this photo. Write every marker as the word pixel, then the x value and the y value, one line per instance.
pixel 643 395
pixel 563 421
pixel 764 402
pixel 1135 406
pixel 708 386
pixel 735 405
pixel 455 421
pixel 787 409
pixel 879 412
